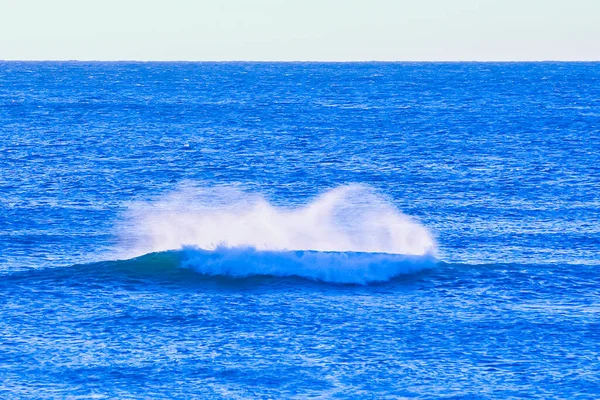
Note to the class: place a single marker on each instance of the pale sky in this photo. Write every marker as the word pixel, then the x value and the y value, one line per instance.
pixel 300 30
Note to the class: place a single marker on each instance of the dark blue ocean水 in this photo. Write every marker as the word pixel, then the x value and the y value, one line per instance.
pixel 499 161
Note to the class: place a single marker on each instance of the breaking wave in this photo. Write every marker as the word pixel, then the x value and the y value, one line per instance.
pixel 350 234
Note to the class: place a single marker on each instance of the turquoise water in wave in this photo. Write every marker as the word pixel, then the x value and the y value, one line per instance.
pixel 275 230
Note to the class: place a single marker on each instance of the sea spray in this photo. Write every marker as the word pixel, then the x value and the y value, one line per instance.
pixel 350 218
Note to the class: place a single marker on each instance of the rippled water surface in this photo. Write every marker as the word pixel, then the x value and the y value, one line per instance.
pixel 255 230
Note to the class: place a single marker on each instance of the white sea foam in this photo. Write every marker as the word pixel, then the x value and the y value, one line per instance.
pixel 350 218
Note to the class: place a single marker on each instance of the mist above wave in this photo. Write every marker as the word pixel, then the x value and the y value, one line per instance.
pixel 350 218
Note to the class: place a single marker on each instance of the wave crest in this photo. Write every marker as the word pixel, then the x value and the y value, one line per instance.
pixel 335 267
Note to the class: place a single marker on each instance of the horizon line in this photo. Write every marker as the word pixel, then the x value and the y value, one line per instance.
pixel 298 61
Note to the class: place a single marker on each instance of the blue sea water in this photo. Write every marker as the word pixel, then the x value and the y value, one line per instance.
pixel 299 230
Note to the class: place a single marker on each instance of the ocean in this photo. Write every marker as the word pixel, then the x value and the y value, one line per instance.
pixel 299 230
